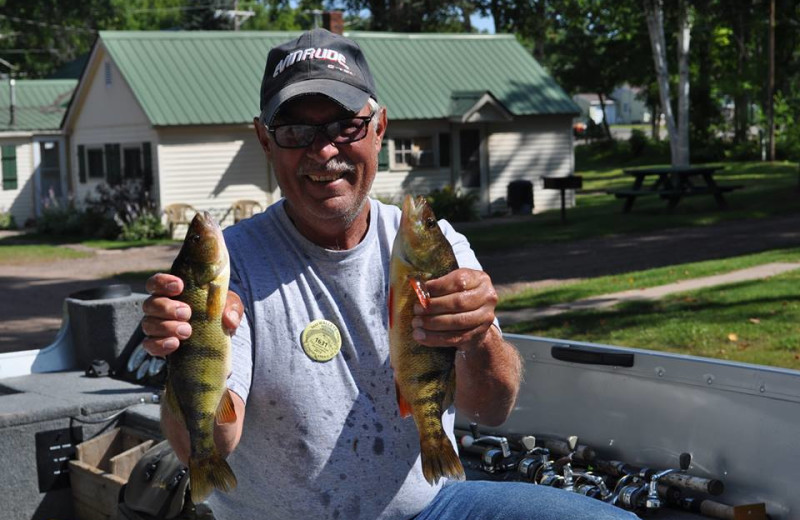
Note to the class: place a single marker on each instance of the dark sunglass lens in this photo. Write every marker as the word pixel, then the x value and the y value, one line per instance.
pixel 295 136
pixel 346 131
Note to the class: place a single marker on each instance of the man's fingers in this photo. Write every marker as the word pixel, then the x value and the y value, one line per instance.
pixel 158 328
pixel 166 309
pixel 453 322
pixel 164 284
pixel 160 346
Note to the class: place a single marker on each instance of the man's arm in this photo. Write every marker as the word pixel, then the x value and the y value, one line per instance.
pixel 488 368
pixel 165 323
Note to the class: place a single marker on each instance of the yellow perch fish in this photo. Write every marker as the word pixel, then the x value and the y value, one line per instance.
pixel 425 377
pixel 195 391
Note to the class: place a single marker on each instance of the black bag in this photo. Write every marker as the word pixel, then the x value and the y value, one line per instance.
pixel 157 488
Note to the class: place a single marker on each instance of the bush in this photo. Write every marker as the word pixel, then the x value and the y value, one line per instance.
pixel 749 150
pixel 7 220
pixel 638 142
pixel 144 227
pixel 60 218
pixel 124 212
pixel 453 205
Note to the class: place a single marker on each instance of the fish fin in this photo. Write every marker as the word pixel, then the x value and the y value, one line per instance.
pixel 209 473
pixel 423 295
pixel 170 400
pixel 450 390
pixel 391 306
pixel 439 459
pixel 226 413
pixel 405 408
pixel 215 303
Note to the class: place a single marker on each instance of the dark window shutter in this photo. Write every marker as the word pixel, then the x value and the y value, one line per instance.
pixel 383 156
pixel 113 164
pixel 9 166
pixel 147 167
pixel 82 164
pixel 444 150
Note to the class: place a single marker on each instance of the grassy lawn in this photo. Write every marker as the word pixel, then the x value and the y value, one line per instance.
pixel 568 292
pixel 37 253
pixel 752 322
pixel 134 277
pixel 35 248
pixel 770 190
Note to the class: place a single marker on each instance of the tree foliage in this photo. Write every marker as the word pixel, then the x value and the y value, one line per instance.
pixel 587 45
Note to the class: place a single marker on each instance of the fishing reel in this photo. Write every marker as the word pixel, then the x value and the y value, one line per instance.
pixel 495 452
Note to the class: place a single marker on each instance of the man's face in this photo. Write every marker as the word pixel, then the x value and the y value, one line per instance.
pixel 323 183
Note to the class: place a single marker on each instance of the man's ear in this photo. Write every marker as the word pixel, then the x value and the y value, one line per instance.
pixel 380 126
pixel 262 135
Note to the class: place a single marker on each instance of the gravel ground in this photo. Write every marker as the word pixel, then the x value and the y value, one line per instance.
pixel 33 295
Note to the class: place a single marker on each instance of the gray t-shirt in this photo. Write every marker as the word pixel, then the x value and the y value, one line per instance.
pixel 320 439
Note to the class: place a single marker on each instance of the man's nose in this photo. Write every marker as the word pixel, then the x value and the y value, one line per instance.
pixel 322 149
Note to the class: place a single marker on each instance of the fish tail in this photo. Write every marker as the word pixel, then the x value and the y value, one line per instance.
pixel 208 473
pixel 439 459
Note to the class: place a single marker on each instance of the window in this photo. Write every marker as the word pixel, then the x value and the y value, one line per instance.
pixel 114 162
pixel 9 166
pixel 413 151
pixel 132 163
pixel 96 163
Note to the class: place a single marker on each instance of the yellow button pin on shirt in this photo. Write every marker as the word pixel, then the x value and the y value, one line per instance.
pixel 321 340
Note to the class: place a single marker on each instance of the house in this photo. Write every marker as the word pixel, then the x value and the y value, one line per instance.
pixel 630 107
pixel 175 111
pixel 590 108
pixel 32 147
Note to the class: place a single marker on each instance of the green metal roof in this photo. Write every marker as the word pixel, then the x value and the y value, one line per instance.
pixel 40 103
pixel 213 77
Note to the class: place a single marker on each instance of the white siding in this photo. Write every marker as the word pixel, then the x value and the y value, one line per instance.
pixel 97 137
pixel 529 149
pixel 211 168
pixel 393 183
pixel 107 114
pixel 108 105
pixel 20 201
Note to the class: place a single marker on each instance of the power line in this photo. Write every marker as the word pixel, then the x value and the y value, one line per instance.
pixel 43 24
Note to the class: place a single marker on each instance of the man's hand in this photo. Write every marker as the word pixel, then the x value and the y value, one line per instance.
pixel 166 320
pixel 460 312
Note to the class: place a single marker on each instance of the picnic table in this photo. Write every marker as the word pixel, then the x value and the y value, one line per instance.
pixel 673 184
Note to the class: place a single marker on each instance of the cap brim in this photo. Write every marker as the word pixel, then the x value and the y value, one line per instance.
pixel 351 98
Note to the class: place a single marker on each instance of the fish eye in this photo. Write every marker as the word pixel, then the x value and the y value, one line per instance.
pixel 430 222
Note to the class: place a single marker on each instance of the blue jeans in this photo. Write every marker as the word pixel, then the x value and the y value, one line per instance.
pixel 487 500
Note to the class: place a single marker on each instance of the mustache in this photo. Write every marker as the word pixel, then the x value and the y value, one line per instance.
pixel 334 165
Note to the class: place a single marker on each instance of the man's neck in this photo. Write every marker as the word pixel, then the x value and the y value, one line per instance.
pixel 333 234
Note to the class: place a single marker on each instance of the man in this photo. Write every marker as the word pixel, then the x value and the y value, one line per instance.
pixel 319 436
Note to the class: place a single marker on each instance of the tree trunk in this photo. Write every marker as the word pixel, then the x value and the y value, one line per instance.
pixel 655 27
pixel 684 34
pixel 771 85
pixel 605 119
pixel 741 114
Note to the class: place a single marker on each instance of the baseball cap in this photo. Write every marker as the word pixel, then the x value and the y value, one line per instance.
pixel 317 62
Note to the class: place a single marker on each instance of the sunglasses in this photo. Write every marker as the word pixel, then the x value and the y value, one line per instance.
pixel 343 131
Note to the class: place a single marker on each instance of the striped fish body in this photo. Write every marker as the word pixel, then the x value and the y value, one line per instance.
pixel 424 376
pixel 196 392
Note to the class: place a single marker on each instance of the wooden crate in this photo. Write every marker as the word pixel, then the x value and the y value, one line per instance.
pixel 102 466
